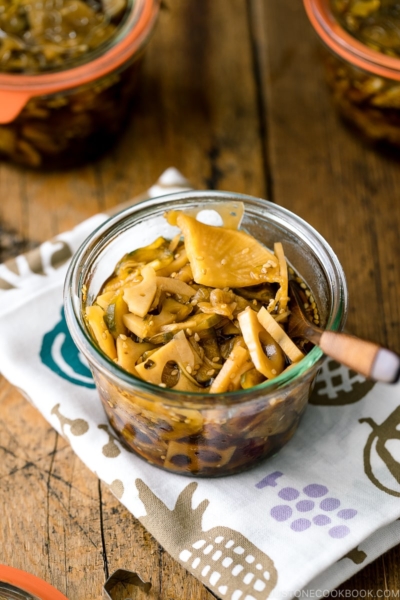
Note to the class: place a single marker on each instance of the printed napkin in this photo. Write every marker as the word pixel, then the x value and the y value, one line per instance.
pixel 300 523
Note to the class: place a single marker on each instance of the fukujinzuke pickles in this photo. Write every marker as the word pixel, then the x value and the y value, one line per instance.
pixel 203 312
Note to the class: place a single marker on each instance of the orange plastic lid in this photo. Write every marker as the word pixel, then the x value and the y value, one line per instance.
pixel 29 583
pixel 346 46
pixel 17 89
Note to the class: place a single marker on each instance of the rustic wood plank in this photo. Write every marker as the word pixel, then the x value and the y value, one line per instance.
pixel 191 112
pixel 327 175
pixel 345 188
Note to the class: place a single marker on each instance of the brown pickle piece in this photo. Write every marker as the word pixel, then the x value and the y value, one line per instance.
pixel 186 457
pixel 38 37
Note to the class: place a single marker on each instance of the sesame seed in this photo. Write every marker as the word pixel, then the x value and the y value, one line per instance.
pixel 196 337
pixel 253 275
pixel 245 250
pixel 177 255
pixel 173 274
pixel 174 372
pixel 263 270
pixel 204 271
pixel 189 331
pixel 210 372
pixel 255 302
pixel 303 285
pixel 312 299
pixel 189 369
pixel 291 271
pixel 151 322
pixel 223 261
pixel 163 385
pixel 104 335
pixel 215 359
pixel 123 337
pixel 163 457
pixel 223 305
pixel 306 305
pixel 168 294
pixel 187 421
pixel 273 371
pixel 308 293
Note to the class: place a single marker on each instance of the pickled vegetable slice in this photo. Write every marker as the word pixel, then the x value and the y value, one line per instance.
pixel 236 359
pixel 270 362
pixel 129 352
pixel 231 213
pixel 177 350
pixel 175 286
pixel 225 257
pixel 152 324
pixel 95 319
pixel 279 335
pixel 196 323
pixel 140 297
pixel 115 312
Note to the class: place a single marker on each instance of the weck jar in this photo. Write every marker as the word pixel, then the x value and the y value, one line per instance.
pixel 361 54
pixel 191 433
pixel 68 72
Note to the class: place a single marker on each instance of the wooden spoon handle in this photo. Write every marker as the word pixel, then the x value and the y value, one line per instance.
pixel 367 358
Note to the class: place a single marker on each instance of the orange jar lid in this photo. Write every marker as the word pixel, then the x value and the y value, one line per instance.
pixel 29 583
pixel 17 89
pixel 346 46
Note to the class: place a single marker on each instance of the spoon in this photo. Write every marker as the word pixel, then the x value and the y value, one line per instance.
pixel 367 358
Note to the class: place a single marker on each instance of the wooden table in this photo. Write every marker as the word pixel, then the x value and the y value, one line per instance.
pixel 232 94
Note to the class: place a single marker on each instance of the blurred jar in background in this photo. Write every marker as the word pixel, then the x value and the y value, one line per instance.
pixel 68 72
pixel 361 40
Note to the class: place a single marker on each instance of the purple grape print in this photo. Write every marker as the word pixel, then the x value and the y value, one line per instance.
pixel 283 512
pixel 300 524
pixel 305 505
pixel 321 520
pixel 340 531
pixel 312 499
pixel 330 504
pixel 315 491
pixel 288 493
pixel 347 513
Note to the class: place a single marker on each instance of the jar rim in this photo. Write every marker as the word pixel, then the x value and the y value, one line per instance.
pixel 346 46
pixel 87 252
pixel 16 89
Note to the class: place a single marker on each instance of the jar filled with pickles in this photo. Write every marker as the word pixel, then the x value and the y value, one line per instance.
pixel 361 41
pixel 68 72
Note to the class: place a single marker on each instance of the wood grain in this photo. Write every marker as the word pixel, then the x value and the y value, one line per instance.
pixel 231 94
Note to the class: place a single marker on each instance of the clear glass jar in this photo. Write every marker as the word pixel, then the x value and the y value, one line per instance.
pixel 191 433
pixel 65 117
pixel 365 83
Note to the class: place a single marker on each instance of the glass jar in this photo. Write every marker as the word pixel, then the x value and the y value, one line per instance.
pixel 365 83
pixel 197 433
pixel 65 117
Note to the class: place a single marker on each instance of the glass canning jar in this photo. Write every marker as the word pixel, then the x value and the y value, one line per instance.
pixel 365 82
pixel 57 118
pixel 198 433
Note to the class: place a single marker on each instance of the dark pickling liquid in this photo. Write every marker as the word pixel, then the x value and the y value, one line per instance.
pixel 375 23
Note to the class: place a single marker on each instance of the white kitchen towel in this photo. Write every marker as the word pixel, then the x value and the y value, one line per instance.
pixel 301 522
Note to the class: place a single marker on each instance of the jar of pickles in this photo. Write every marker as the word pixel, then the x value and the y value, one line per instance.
pixel 361 41
pixel 68 71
